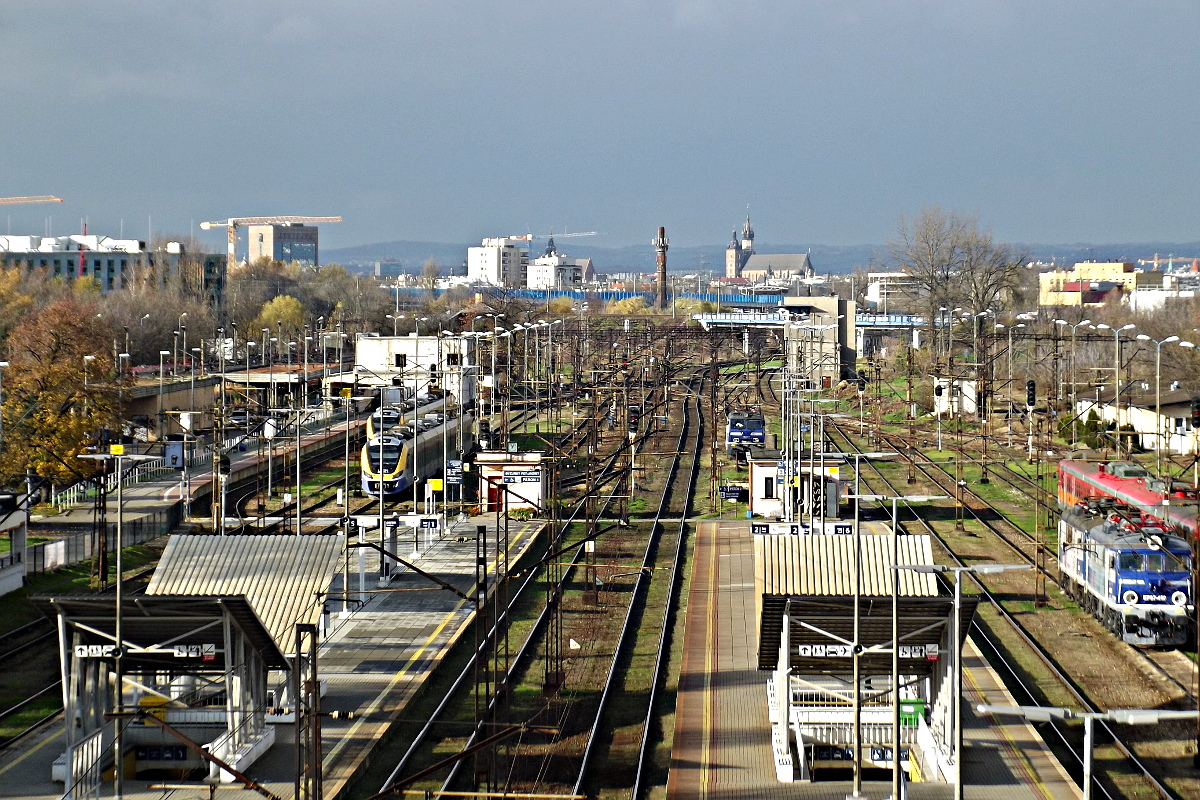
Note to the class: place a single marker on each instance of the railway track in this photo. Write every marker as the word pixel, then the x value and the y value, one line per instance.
pixel 1167 666
pixel 1013 677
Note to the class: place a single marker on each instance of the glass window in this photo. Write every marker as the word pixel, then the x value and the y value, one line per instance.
pixel 391 457
pixel 1156 562
pixel 1131 561
pixel 769 487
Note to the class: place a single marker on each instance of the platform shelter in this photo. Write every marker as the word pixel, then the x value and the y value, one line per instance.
pixel 804 590
pixel 194 667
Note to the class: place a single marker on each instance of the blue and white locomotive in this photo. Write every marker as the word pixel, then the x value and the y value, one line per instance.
pixel 1129 570
pixel 745 428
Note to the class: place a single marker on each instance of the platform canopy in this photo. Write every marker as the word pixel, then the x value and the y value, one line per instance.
pixel 164 633
pixel 285 578
pixel 812 578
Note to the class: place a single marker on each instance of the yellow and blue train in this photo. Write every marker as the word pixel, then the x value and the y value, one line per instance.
pixel 393 460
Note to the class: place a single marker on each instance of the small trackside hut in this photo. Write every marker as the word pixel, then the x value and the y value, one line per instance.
pixel 804 587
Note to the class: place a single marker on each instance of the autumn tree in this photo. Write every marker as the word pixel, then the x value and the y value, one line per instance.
pixel 431 271
pixel 49 415
pixel 284 309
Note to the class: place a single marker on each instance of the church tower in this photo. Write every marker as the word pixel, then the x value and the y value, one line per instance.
pixel 738 253
pixel 733 258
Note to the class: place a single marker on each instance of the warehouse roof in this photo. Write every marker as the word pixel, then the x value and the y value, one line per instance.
pixel 284 578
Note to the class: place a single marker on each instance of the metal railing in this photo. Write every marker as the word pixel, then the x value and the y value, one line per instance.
pixel 142 471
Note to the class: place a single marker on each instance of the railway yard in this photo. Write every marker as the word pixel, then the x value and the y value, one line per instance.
pixel 565 638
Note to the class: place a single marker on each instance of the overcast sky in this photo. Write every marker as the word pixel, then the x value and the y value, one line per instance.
pixel 1055 121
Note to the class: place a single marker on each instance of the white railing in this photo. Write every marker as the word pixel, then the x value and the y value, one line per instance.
pixel 139 472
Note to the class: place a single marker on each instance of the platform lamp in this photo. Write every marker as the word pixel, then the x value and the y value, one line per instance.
pixel 1158 426
pixel 909 499
pixel 117 453
pixel 856 646
pixel 957 642
pixel 1123 716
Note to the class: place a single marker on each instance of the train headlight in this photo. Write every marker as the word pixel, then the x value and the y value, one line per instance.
pixel 1129 597
pixel 1179 598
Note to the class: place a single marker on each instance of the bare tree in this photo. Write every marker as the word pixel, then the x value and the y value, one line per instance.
pixel 929 249
pixel 430 272
pixel 989 272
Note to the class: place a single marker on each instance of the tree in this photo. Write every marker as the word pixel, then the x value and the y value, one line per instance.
pixel 49 415
pixel 989 273
pixel 285 309
pixel 14 303
pixel 628 306
pixel 431 270
pixel 929 250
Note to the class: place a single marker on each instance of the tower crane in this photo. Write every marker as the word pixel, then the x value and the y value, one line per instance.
pixel 37 198
pixel 529 237
pixel 233 223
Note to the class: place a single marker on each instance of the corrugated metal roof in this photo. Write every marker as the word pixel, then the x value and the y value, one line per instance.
pixel 823 565
pixel 282 577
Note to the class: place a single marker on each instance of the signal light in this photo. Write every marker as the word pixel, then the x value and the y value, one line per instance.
pixel 937 390
pixel 1030 393
pixel 1195 414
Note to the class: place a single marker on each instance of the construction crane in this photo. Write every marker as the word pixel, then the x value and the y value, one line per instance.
pixel 529 237
pixel 233 223
pixel 37 198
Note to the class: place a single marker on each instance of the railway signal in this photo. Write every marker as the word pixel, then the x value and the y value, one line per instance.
pixel 1195 414
pixel 1030 393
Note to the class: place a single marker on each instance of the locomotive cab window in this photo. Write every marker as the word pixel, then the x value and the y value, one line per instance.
pixel 1132 561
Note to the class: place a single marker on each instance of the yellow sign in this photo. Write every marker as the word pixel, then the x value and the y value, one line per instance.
pixel 346 392
pixel 435 484
pixel 116 449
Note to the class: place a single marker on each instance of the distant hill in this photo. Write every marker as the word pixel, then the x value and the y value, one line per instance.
pixel 640 258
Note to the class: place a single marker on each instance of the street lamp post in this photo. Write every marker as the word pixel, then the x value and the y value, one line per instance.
pixel 1158 426
pixel 161 422
pixel 1123 716
pixel 1117 374
pixel 856 644
pixel 957 643
pixel 117 454
pixel 915 498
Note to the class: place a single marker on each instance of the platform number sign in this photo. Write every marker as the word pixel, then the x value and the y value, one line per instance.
pixel 429 523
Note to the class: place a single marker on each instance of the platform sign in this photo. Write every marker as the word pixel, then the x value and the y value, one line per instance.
pixel 885 754
pixel 823 650
pixel 95 650
pixel 454 472
pixel 522 476
pixel 778 529
pixel 429 523
pixel 174 455
pixel 919 652
pixel 731 492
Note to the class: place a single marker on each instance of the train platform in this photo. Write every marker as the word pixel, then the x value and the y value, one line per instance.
pixel 722 744
pixel 373 660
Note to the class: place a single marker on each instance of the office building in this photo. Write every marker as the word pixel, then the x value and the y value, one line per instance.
pixel 285 242
pixel 499 262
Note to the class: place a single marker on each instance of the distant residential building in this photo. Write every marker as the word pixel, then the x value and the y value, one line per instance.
pixel 285 242
pixel 114 264
pixel 1091 283
pixel 553 270
pixel 499 262
pixel 888 291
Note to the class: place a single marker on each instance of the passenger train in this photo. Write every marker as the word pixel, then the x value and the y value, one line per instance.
pixel 1132 484
pixel 401 455
pixel 745 428
pixel 1124 551
pixel 388 417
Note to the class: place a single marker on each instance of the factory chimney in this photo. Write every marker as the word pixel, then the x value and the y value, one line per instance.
pixel 660 246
